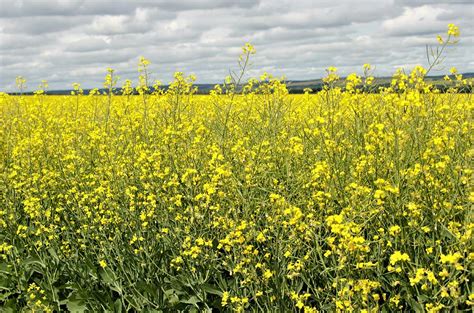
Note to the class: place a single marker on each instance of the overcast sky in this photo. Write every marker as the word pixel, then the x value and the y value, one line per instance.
pixel 66 41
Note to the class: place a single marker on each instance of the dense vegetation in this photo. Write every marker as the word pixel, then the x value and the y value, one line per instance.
pixel 247 199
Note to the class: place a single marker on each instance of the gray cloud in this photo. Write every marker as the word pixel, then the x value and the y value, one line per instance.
pixel 65 41
pixel 416 3
pixel 39 25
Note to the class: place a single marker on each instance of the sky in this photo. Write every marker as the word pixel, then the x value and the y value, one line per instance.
pixel 66 41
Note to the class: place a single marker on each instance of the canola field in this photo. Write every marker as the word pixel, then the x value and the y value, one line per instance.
pixel 250 200
pixel 339 200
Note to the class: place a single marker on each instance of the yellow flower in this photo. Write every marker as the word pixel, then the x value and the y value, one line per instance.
pixel 143 62
pixel 248 48
pixel 395 300
pixel 471 299
pixel 432 308
pixel 453 30
pixel 299 304
pixel 431 277
pixel 394 230
pixel 444 292
pixel 103 264
pixel 225 298
pixel 398 256
pixel 261 237
pixel 267 274
pixel 418 276
pixel 450 258
pixel 444 273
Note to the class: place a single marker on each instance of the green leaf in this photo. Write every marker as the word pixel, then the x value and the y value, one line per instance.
pixel 145 288
pixel 171 296
pixel 33 261
pixel 193 310
pixel 76 305
pixel 53 254
pixel 415 306
pixel 192 300
pixel 4 296
pixel 5 269
pixel 118 306
pixel 211 289
pixel 107 276
pixel 152 311
pixel 10 306
pixel 5 283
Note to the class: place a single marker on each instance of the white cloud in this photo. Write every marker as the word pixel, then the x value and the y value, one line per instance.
pixel 65 41
pixel 416 20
